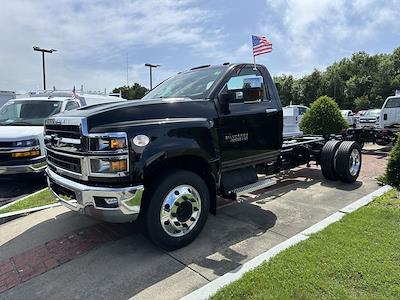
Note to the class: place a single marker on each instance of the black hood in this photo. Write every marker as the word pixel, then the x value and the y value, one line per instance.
pixel 104 116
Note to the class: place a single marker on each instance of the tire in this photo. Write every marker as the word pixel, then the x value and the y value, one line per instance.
pixel 327 159
pixel 348 161
pixel 177 210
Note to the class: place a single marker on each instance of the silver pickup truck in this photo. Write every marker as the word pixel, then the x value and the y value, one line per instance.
pixel 21 127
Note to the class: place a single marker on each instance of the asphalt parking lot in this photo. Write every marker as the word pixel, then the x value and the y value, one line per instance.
pixel 58 254
pixel 14 187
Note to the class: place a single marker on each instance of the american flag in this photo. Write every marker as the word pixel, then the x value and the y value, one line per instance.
pixel 261 45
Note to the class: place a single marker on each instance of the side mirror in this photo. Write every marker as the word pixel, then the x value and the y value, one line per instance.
pixel 226 98
pixel 253 88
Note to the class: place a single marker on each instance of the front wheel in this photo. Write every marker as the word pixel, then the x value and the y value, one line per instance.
pixel 178 205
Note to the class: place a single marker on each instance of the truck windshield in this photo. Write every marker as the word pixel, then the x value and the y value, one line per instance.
pixel 372 113
pixel 193 84
pixel 28 112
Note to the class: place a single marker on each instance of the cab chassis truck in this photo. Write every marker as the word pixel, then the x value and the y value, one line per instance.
pixel 164 159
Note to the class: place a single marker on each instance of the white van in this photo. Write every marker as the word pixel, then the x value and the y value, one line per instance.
pixel 21 126
pixel 390 112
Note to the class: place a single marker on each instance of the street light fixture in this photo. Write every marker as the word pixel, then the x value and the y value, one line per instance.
pixel 35 48
pixel 151 66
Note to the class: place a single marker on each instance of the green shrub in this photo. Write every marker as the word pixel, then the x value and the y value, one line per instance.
pixel 392 174
pixel 323 117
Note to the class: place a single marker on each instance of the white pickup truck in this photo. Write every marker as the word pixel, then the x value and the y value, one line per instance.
pixel 21 127
pixel 379 126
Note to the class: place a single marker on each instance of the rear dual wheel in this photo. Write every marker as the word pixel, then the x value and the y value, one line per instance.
pixel 341 160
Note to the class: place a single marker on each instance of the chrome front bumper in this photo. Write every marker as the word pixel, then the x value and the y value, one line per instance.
pixel 35 167
pixel 88 200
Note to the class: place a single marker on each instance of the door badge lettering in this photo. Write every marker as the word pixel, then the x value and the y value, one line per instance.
pixel 234 138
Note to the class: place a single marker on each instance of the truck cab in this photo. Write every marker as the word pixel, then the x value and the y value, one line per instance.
pixel 390 112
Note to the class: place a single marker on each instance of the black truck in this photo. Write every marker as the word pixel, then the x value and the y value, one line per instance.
pixel 206 132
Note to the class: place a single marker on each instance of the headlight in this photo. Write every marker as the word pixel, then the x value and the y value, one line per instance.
pixel 26 143
pixel 108 165
pixel 117 141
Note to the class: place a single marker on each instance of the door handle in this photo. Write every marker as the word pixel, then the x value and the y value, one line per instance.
pixel 270 110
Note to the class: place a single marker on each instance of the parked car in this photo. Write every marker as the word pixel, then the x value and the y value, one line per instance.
pixel 370 118
pixel 21 127
pixel 348 115
pixel 292 115
pixel 203 133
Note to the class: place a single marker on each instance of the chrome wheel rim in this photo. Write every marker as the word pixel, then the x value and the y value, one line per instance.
pixel 180 210
pixel 354 162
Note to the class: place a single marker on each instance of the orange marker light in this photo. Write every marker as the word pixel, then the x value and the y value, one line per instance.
pixel 32 153
pixel 117 143
pixel 119 165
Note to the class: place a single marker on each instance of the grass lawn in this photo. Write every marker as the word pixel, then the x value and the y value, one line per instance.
pixel 43 198
pixel 355 258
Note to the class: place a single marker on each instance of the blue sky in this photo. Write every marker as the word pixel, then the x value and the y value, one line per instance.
pixel 93 38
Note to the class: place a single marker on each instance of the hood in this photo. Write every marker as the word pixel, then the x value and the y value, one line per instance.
pixel 19 133
pixel 100 117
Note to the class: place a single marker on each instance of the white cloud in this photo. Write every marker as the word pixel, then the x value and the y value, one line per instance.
pixel 91 36
pixel 308 31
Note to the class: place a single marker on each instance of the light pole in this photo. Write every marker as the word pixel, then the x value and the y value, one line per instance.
pixel 35 48
pixel 151 66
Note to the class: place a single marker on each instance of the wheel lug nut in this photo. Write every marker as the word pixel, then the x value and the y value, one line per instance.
pixel 177 223
pixel 166 206
pixel 166 223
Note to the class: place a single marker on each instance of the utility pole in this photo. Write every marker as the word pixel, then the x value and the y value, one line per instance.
pixel 151 66
pixel 35 48
pixel 127 70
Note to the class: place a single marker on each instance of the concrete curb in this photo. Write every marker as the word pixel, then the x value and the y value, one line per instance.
pixel 28 210
pixel 211 288
pixel 23 198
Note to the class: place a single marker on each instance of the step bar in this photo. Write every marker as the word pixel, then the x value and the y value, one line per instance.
pixel 262 184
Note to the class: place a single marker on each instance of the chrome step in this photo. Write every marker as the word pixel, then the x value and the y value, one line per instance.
pixel 262 184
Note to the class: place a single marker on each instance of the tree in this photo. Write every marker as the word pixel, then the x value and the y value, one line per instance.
pixel 362 80
pixel 136 91
pixel 392 174
pixel 323 117
pixel 284 84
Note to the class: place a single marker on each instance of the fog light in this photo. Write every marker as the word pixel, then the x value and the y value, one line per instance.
pixel 111 201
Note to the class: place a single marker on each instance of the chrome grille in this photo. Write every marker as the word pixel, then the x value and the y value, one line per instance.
pixel 63 131
pixel 69 163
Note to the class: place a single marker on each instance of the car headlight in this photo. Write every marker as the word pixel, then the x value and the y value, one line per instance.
pixel 116 141
pixel 108 165
pixel 26 143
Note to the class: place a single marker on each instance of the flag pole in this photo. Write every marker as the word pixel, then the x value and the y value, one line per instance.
pixel 254 60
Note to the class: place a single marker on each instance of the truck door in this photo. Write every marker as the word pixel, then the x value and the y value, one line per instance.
pixel 391 112
pixel 250 128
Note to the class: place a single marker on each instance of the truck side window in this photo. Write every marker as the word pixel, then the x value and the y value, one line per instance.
pixel 392 103
pixel 243 76
pixel 71 105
